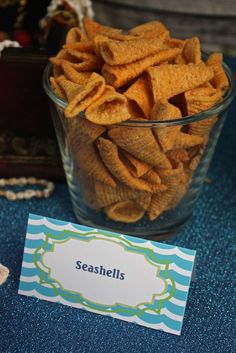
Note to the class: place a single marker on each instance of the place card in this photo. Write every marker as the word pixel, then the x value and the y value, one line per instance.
pixel 128 278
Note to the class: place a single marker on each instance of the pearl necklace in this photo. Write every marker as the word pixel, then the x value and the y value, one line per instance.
pixel 28 193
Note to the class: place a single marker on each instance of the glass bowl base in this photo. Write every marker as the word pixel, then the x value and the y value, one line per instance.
pixel 139 230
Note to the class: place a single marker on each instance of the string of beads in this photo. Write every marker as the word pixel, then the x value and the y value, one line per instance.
pixel 28 193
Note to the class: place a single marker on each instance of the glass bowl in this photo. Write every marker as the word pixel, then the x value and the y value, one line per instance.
pixel 86 196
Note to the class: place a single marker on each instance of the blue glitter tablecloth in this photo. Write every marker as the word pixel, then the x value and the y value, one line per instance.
pixel 29 325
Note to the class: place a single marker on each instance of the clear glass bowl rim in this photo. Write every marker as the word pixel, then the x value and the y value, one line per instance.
pixel 219 107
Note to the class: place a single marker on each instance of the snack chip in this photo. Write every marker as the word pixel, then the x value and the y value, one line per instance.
pixel 179 194
pixel 184 140
pixel 166 136
pixel 119 75
pixel 75 35
pixel 109 154
pixel 135 112
pixel 169 80
pixel 178 155
pixel 153 178
pixel 57 88
pixel 87 158
pixel 220 79
pixel 88 190
pixel 79 60
pixel 81 96
pixel 180 59
pixel 149 29
pixel 133 141
pixel 200 99
pixel 203 127
pixel 125 211
pixel 176 43
pixel 124 52
pixel 110 108
pixel 84 47
pixel 73 75
pixel 99 39
pixel 160 200
pixel 136 167
pixel 192 51
pixel 140 92
pixel 92 28
pixel 82 132
pixel 106 195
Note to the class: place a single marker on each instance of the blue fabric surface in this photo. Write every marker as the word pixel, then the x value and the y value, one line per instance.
pixel 29 325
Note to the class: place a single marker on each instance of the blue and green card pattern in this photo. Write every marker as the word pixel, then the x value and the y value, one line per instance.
pixel 125 277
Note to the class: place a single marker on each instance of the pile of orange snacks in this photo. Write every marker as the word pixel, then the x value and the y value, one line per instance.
pixel 144 75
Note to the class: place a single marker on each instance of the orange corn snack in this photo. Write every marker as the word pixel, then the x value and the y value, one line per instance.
pixel 125 211
pixel 180 59
pixel 73 75
pixel 160 201
pixel 57 71
pixel 81 96
pixel 140 92
pixel 119 75
pixel 220 79
pixel 92 28
pixel 192 51
pixel 195 161
pixel 179 194
pixel 178 155
pixel 136 167
pixel 176 43
pixel 169 80
pixel 184 140
pixel 200 99
pixel 203 127
pixel 124 52
pixel 88 190
pixel 102 38
pixel 135 112
pixel 57 88
pixel 141 143
pixel 97 42
pixel 153 28
pixel 106 195
pixel 162 111
pixel 87 158
pixel 110 108
pixel 86 47
pixel 109 154
pixel 152 176
pixel 75 35
pixel 81 61
pixel 82 132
